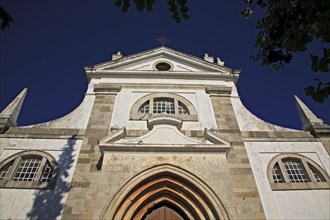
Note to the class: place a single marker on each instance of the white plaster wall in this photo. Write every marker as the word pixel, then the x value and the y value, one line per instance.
pixel 77 119
pixel 122 108
pixel 247 121
pixel 304 204
pixel 294 204
pixel 16 204
pixel 205 111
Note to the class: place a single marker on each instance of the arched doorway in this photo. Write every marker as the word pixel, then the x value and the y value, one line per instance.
pixel 165 190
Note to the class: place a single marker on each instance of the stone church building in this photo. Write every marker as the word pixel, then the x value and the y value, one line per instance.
pixel 163 135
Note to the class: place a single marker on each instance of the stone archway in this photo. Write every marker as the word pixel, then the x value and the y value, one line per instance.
pixel 181 193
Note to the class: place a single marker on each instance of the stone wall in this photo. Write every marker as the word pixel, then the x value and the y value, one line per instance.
pixel 85 184
pixel 242 194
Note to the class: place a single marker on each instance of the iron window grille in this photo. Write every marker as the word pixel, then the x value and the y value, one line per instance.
pixel 164 105
pixel 296 169
pixel 28 169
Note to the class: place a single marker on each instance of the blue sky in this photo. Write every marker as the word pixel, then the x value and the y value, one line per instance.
pixel 50 42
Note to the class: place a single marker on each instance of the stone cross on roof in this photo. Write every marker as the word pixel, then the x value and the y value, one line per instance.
pixel 162 40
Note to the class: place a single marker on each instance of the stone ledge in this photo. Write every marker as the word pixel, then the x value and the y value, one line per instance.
pixel 48 133
pixel 276 134
pixel 12 184
pixel 218 90
pixel 300 186
pixel 281 140
pixel 146 116
pixel 151 148
pixel 106 88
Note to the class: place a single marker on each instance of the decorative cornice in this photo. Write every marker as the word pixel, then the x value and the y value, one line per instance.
pixel 158 75
pixel 193 148
pixel 107 88
pixel 218 90
pixel 44 133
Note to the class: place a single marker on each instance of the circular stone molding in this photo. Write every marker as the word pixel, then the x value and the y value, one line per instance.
pixel 162 66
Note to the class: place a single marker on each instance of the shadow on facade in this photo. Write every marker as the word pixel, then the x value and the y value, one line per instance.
pixel 48 204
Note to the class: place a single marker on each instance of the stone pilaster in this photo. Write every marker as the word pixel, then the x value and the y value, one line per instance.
pixel 82 196
pixel 223 109
pixel 242 198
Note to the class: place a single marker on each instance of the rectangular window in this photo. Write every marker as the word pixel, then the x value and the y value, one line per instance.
pixel 277 176
pixel 317 175
pixel 295 171
pixel 27 169
pixel 4 172
pixel 144 108
pixel 47 174
pixel 163 106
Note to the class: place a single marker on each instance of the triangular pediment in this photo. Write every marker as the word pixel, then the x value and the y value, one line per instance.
pixel 147 61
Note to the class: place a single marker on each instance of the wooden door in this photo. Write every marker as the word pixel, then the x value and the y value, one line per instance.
pixel 163 213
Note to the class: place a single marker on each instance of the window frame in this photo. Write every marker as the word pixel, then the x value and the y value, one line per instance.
pixel 287 184
pixel 168 104
pixel 37 183
pixel 177 100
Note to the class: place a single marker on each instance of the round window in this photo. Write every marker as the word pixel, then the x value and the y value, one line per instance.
pixel 163 66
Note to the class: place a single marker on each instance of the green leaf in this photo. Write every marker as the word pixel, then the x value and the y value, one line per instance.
pixel 314 62
pixel 173 9
pixel 184 9
pixel 118 3
pixel 139 5
pixel 149 5
pixel 321 93
pixel 182 2
pixel 326 52
pixel 284 4
pixel 126 5
pixel 185 16
pixel 323 65
pixel 309 90
pixel 171 3
pixel 246 12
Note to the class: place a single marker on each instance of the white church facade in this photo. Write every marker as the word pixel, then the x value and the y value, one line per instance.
pixel 162 134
